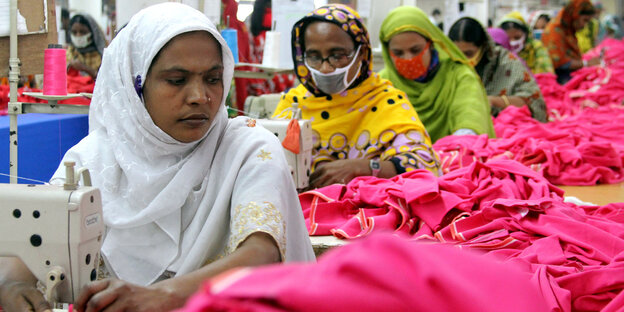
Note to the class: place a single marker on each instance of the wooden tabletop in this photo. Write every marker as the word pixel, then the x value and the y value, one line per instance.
pixel 597 194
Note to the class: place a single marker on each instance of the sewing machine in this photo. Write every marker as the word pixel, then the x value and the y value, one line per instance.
pixel 56 231
pixel 299 164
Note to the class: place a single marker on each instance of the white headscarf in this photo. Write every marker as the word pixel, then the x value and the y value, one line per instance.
pixel 156 190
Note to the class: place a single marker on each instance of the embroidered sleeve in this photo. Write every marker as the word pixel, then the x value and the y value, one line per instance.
pixel 257 217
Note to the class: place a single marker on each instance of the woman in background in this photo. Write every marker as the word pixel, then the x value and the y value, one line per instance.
pixel 507 81
pixel 361 124
pixel 532 51
pixel 559 38
pixel 86 48
pixel 421 61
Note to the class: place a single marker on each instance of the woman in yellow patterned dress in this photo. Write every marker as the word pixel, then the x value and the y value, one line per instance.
pixel 362 125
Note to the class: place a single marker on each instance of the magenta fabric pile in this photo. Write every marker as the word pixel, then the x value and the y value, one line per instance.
pixel 381 273
pixel 583 144
pixel 575 254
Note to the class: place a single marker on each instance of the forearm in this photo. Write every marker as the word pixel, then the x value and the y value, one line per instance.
pixel 576 64
pixel 387 170
pixel 500 102
pixel 258 249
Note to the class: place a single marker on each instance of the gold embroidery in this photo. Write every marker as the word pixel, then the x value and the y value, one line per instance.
pixel 253 218
pixel 264 155
pixel 251 122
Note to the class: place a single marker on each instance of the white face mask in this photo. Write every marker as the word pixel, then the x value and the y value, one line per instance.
pixel 336 81
pixel 81 41
pixel 517 45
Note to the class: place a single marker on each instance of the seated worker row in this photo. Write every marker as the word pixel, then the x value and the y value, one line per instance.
pixel 559 37
pixel 506 79
pixel 185 190
pixel 363 125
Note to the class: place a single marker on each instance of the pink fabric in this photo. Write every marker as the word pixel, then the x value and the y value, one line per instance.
pixel 380 273
pixel 583 144
pixel 575 254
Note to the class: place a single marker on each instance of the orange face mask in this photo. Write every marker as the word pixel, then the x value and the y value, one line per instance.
pixel 412 68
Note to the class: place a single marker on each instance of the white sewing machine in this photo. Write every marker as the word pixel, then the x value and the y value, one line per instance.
pixel 262 108
pixel 299 164
pixel 56 231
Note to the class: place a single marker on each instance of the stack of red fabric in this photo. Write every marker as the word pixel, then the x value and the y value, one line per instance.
pixel 75 84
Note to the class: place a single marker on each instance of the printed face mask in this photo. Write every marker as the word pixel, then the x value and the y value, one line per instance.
pixel 473 61
pixel 517 45
pixel 412 68
pixel 81 41
pixel 336 81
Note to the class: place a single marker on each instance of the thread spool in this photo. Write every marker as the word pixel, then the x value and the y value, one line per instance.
pixel 231 39
pixel 271 53
pixel 54 70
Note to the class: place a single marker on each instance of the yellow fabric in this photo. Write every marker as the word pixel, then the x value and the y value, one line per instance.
pixel 363 122
pixel 92 59
pixel 587 36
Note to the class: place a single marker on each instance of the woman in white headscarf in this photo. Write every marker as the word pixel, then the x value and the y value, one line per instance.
pixel 186 192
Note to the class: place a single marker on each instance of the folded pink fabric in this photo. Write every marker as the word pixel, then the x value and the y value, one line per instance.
pixel 379 273
pixel 501 207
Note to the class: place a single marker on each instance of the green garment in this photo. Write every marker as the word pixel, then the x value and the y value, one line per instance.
pixel 454 98
pixel 533 53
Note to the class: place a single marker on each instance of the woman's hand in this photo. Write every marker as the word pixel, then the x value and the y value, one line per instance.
pixel 80 66
pixel 338 171
pixel 117 295
pixel 21 296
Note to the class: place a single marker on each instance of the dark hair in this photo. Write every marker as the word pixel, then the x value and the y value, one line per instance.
pixel 64 13
pixel 257 16
pixel 514 25
pixel 545 16
pixel 468 30
pixel 436 11
pixel 80 19
pixel 588 12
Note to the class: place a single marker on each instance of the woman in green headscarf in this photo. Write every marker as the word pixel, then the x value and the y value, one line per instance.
pixel 531 50
pixel 445 91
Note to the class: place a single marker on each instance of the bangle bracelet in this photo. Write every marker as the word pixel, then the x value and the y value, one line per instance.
pixel 584 63
pixel 506 100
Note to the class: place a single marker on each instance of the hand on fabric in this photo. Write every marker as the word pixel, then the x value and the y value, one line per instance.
pixel 496 101
pixel 117 295
pixel 338 171
pixel 594 61
pixel 21 296
pixel 80 66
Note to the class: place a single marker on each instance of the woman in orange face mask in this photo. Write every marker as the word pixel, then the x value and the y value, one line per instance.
pixel 421 61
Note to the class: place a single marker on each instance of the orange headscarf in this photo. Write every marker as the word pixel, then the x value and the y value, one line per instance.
pixel 559 37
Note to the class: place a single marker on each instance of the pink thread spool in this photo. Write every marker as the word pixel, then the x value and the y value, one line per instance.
pixel 54 70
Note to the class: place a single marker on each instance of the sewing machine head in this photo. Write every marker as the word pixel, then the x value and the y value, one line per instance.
pixel 56 231
pixel 299 163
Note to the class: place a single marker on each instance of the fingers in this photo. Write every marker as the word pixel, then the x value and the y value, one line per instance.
pixel 88 292
pixel 19 296
pixel 36 301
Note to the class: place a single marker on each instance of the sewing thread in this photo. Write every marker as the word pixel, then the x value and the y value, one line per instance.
pixel 54 70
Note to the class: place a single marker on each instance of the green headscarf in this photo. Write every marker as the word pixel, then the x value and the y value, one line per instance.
pixel 454 98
